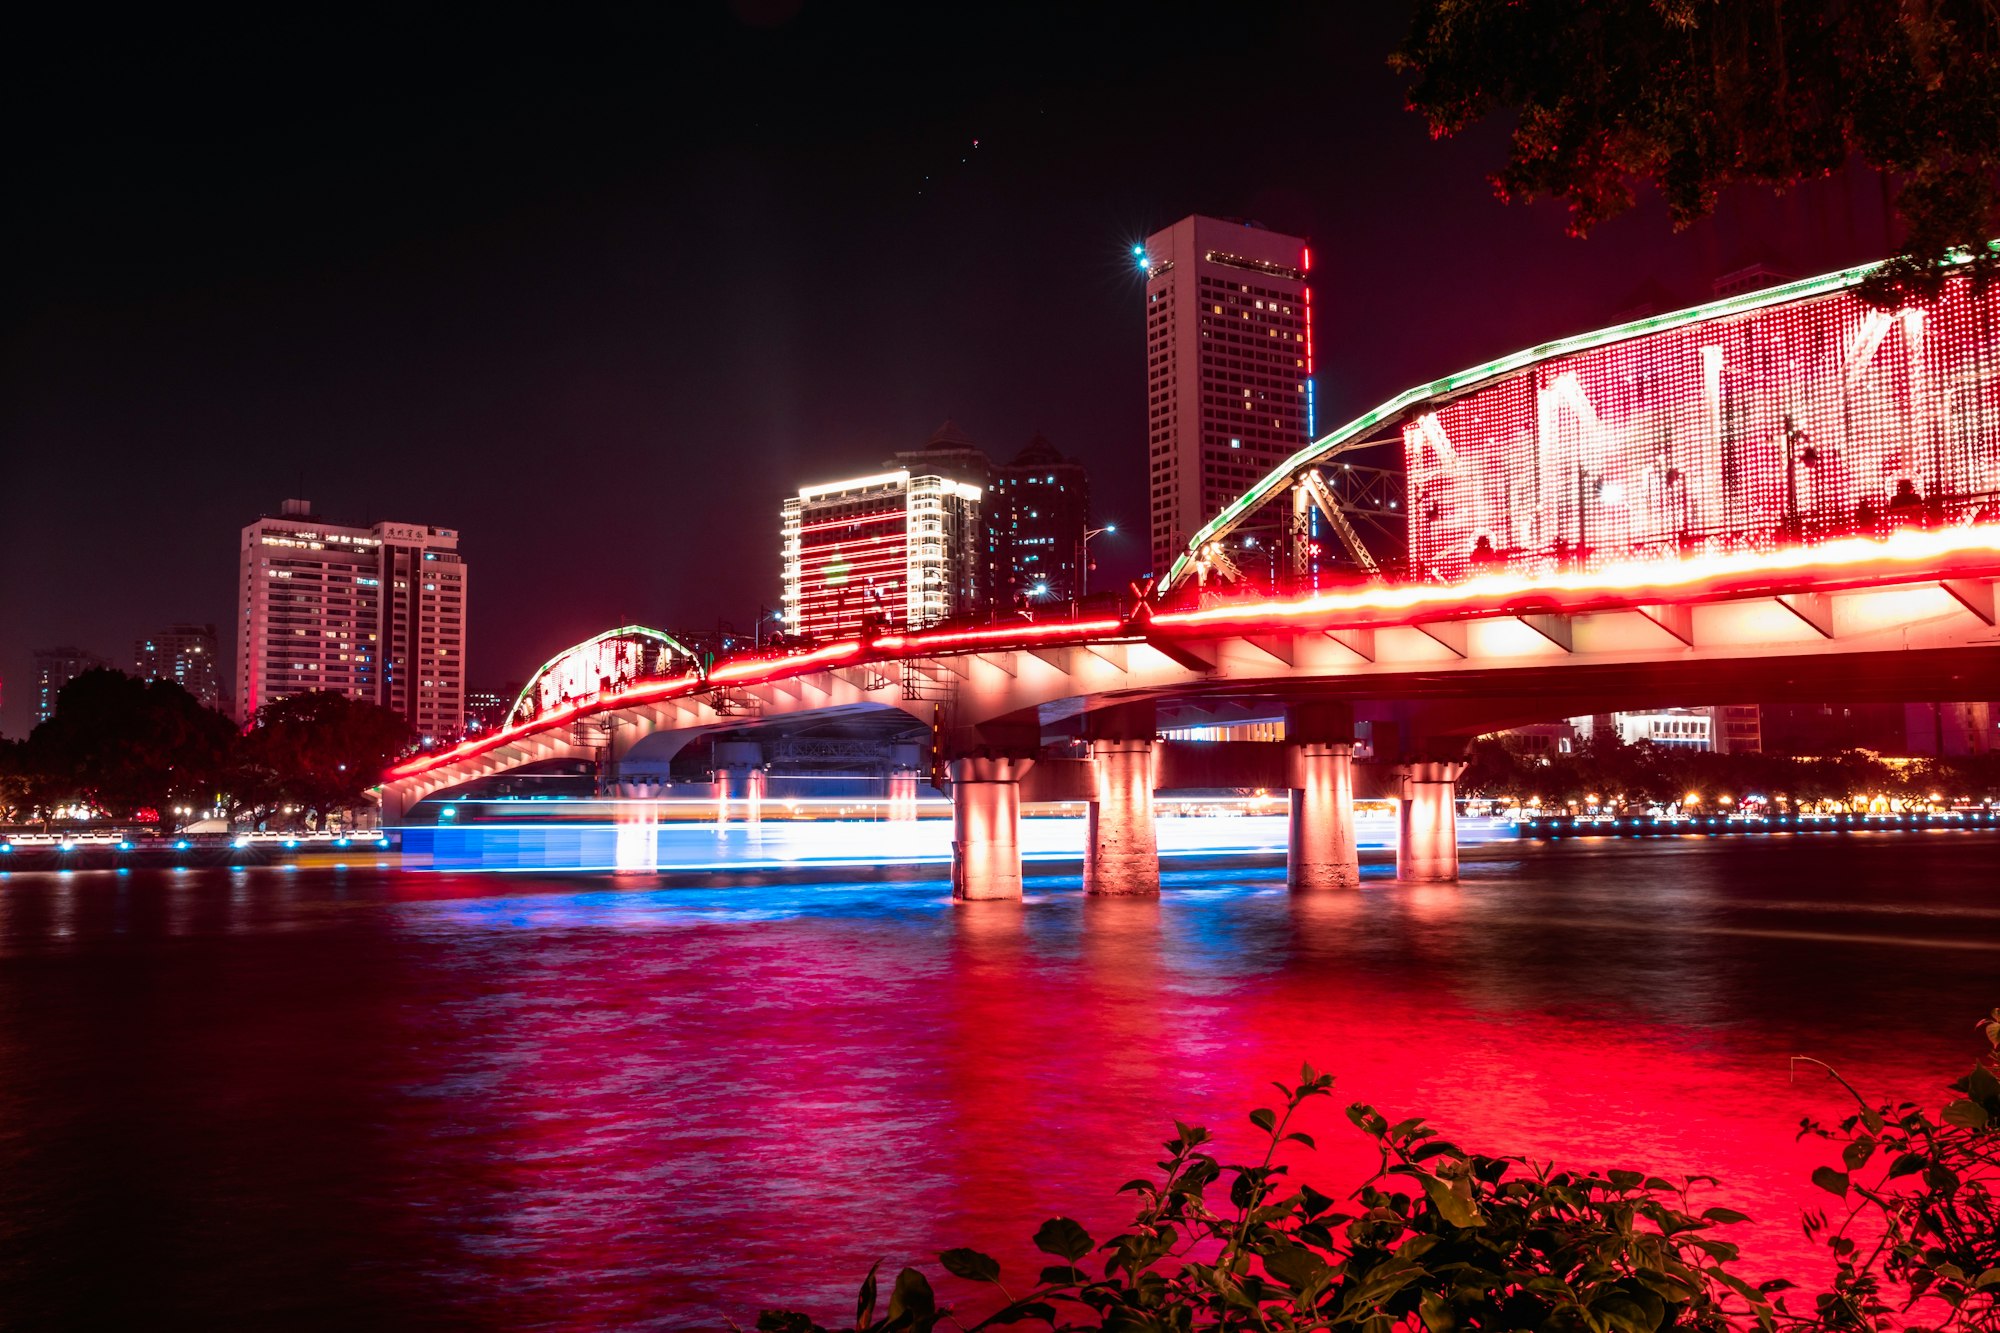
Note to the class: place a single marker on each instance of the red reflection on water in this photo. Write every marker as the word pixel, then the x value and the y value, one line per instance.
pixel 497 1102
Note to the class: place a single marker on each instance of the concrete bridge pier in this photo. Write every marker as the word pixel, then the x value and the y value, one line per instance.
pixel 1121 848
pixel 905 770
pixel 1322 853
pixel 739 776
pixel 986 826
pixel 1427 822
pixel 903 794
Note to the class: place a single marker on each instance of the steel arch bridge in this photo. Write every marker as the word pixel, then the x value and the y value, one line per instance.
pixel 1789 415
pixel 1783 495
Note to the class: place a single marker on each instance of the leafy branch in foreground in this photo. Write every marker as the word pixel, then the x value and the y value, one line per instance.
pixel 1437 1238
pixel 1441 1239
pixel 1918 1246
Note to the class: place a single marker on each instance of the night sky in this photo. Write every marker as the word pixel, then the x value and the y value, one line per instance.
pixel 598 288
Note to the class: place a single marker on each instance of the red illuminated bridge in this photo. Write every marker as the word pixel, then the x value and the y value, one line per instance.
pixel 1784 496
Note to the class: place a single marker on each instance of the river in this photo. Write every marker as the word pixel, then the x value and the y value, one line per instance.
pixel 395 1099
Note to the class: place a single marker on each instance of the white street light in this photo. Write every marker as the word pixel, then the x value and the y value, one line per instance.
pixel 1083 558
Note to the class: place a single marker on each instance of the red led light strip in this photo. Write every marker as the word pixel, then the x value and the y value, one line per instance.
pixel 1850 563
pixel 1906 557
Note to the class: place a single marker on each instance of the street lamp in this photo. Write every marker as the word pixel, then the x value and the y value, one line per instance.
pixel 1083 558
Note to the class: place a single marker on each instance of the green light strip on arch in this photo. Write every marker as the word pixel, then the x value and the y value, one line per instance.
pixel 622 632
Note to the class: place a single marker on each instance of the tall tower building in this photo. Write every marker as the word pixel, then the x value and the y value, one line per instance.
pixel 893 550
pixel 1228 370
pixel 185 655
pixel 376 613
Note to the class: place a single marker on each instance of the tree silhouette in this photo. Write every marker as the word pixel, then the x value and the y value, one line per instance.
pixel 1698 95
pixel 126 745
pixel 320 751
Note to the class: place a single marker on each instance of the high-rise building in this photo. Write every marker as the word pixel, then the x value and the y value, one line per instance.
pixel 1228 370
pixel 185 655
pixel 891 550
pixel 940 534
pixel 1949 728
pixel 55 668
pixel 1040 508
pixel 377 613
pixel 951 455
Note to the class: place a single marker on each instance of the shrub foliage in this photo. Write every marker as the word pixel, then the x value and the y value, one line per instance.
pixel 1439 1238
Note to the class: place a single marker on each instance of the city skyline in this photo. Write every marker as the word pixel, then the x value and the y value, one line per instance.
pixel 397 327
pixel 1103 575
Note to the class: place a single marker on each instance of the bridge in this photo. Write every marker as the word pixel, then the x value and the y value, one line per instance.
pixel 1784 496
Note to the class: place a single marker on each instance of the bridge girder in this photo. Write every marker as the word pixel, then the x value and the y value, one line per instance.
pixel 1450 675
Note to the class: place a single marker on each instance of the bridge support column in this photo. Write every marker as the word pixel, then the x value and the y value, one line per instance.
pixel 1121 851
pixel 1122 854
pixel 986 827
pixel 1427 823
pixel 903 795
pixel 905 762
pixel 1322 853
pixel 739 776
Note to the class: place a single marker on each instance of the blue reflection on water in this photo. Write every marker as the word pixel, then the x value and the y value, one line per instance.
pixel 834 843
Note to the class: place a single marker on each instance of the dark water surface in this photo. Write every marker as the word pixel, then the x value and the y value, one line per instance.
pixel 365 1097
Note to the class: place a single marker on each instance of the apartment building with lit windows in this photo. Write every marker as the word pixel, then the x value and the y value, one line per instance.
pixel 892 550
pixel 184 654
pixel 942 533
pixel 903 548
pixel 377 613
pixel 1040 505
pixel 1228 371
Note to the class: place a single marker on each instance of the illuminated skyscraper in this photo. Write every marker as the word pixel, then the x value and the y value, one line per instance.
pixel 376 613
pixel 942 533
pixel 1228 368
pixel 891 550
pixel 185 655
